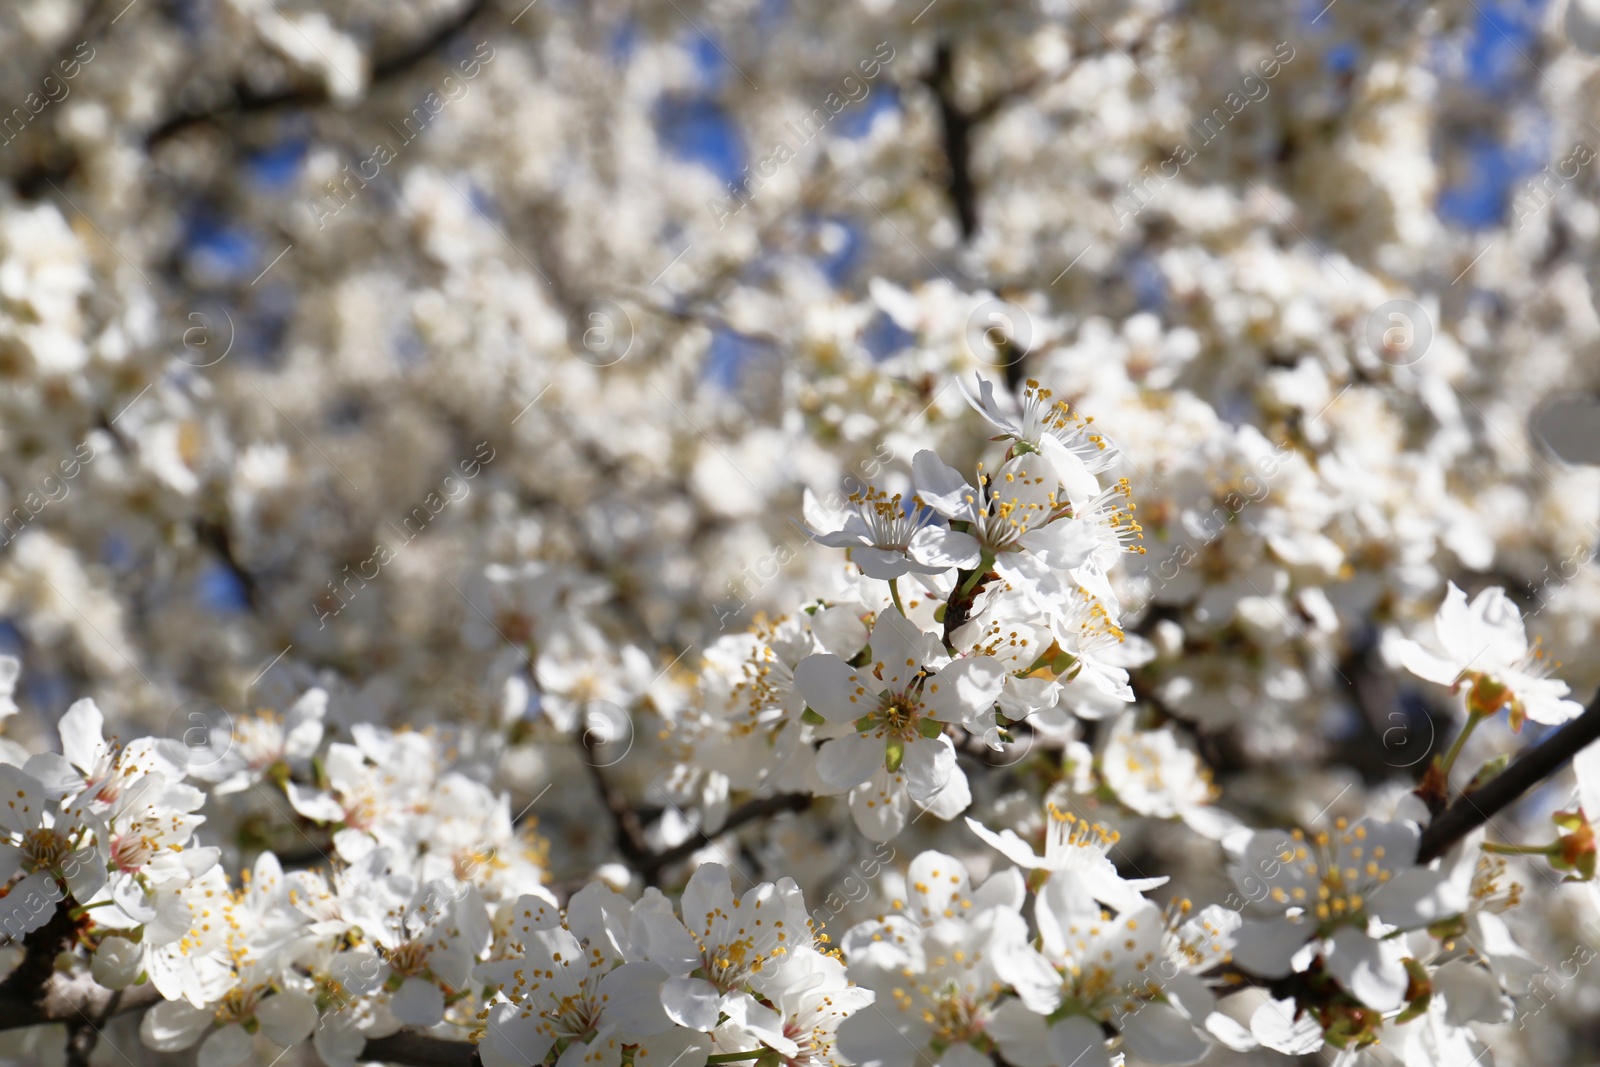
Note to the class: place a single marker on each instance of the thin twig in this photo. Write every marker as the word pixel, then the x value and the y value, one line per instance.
pixel 1530 768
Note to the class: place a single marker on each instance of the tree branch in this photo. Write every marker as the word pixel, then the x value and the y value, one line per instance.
pixel 1530 768
pixel 244 99
pixel 655 863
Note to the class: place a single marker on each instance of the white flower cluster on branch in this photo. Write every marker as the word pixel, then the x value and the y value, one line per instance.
pixel 423 911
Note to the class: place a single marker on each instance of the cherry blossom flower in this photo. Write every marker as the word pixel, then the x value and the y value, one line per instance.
pixel 1483 648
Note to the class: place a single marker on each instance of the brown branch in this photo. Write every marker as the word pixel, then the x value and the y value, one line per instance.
pixel 652 866
pixel 244 99
pixel 420 1050
pixel 628 830
pixel 1530 768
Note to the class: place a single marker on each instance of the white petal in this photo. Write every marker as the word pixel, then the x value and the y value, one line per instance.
pixel 880 563
pixel 880 806
pixel 944 548
pixel 56 773
pixel 1369 969
pixel 1008 843
pixel 633 998
pixel 25 797
pixel 1063 544
pixel 964 689
pixel 418 1003
pixel 1266 946
pixel 339 1041
pixel 709 892
pixel 513 1039
pixel 287 1018
pixel 228 1046
pixel 1470 994
pixel 117 962
pixel 762 1023
pixel 1275 1026
pixel 940 485
pixel 829 685
pixel 928 765
pixel 872 1038
pixel 1156 1032
pixel 846 762
pixel 1078 1042
pixel 675 1048
pixel 314 804
pixel 173 1025
pixel 82 734
pixel 1021 1034
pixel 29 905
pixel 691 1002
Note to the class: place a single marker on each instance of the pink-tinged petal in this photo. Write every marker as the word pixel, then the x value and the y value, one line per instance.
pixel 944 548
pixel 927 766
pixel 964 689
pixel 846 762
pixel 832 689
pixel 691 1002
